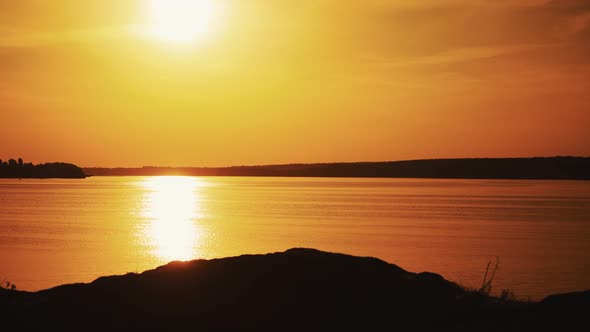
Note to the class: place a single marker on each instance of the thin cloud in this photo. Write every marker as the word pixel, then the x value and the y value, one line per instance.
pixel 460 55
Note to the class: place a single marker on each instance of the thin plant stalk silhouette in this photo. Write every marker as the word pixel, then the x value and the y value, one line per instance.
pixel 486 286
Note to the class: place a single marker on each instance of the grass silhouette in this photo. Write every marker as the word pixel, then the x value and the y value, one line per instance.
pixel 486 286
pixel 7 285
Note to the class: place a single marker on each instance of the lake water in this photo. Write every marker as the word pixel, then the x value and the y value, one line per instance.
pixel 65 231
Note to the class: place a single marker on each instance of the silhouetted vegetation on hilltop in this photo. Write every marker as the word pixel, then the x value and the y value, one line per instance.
pixel 18 169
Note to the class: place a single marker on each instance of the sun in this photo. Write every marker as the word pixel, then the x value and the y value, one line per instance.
pixel 183 21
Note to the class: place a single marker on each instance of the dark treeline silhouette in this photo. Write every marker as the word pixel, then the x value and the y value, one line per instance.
pixel 564 168
pixel 296 290
pixel 18 169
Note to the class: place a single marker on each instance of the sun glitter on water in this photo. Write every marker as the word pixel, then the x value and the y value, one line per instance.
pixel 172 208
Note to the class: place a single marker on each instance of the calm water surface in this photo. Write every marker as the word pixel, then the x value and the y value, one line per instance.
pixel 65 231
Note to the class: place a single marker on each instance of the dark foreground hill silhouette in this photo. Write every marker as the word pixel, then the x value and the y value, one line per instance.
pixel 296 290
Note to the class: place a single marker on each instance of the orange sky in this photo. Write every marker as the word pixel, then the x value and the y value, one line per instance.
pixel 295 81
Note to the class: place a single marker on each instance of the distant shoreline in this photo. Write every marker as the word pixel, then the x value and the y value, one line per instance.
pixel 537 168
pixel 18 169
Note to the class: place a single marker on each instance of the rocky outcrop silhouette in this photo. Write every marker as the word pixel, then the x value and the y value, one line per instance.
pixel 296 290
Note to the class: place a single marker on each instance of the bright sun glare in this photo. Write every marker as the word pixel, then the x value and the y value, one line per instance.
pixel 172 207
pixel 183 21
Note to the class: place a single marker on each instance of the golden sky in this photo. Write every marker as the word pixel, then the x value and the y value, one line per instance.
pixel 281 81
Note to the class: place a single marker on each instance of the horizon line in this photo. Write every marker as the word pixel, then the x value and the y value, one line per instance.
pixel 333 163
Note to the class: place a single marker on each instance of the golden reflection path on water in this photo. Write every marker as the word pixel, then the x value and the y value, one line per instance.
pixel 172 207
